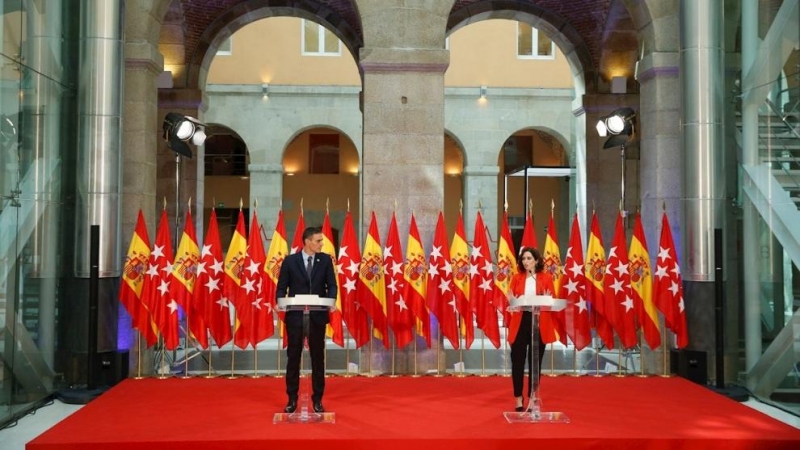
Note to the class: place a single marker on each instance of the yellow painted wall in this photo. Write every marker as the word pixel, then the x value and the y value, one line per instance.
pixel 485 54
pixel 481 54
pixel 268 51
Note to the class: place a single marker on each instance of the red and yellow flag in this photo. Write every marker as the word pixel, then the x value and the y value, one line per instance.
pixel 234 266
pixel 353 313
pixel 155 292
pixel 133 275
pixel 642 286
pixel 209 300
pixel 253 312
pixel 400 317
pixel 440 295
pixel 335 329
pixel 595 272
pixel 277 252
pixel 481 284
pixel 416 278
pixel 668 286
pixel 506 268
pixel 184 276
pixel 551 325
pixel 372 286
pixel 459 261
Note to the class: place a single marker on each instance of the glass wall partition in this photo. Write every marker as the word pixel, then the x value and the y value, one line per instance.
pixel 37 55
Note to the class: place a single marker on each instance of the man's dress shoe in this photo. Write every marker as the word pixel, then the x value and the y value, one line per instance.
pixel 290 407
pixel 318 408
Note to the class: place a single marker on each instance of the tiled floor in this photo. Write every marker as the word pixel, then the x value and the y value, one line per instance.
pixel 32 425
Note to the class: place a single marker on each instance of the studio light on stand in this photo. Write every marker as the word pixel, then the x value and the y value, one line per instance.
pixel 178 131
pixel 620 125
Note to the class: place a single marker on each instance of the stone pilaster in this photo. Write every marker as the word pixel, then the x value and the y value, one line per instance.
pixel 266 181
pixel 403 110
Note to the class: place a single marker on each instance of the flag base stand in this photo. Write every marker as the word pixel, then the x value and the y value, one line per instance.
pixel 304 415
pixel 536 417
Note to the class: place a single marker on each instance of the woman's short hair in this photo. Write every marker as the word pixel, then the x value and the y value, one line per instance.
pixel 536 255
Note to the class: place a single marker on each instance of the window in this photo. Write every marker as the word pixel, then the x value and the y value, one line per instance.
pixel 225 48
pixel 533 43
pixel 319 41
pixel 323 153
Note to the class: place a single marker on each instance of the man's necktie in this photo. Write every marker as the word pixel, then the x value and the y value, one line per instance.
pixel 308 266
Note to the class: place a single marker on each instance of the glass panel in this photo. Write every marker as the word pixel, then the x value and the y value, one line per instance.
pixel 545 45
pixel 524 39
pixel 311 37
pixel 33 152
pixel 331 42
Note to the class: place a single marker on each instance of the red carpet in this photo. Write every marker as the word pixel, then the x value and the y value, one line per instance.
pixel 403 413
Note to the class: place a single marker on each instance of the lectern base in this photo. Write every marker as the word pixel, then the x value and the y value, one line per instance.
pixel 305 417
pixel 532 417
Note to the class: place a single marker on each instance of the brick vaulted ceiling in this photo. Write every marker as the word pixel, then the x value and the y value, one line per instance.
pixel 583 22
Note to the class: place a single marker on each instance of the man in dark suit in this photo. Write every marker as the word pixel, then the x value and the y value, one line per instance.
pixel 306 272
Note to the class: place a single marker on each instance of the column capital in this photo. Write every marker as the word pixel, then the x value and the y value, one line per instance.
pixel 139 55
pixel 659 64
pixel 482 170
pixel 265 168
pixel 182 98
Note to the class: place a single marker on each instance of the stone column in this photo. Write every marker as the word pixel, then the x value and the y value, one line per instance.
pixel 140 136
pixel 403 108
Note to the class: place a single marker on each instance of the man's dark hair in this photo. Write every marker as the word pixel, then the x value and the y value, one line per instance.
pixel 311 231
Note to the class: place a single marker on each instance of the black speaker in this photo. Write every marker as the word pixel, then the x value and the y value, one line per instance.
pixel 689 364
pixel 111 368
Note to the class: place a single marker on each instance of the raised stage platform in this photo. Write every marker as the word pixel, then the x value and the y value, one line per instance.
pixel 406 413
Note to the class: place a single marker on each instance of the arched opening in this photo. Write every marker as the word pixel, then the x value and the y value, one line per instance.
pixel 534 175
pixel 320 174
pixel 453 181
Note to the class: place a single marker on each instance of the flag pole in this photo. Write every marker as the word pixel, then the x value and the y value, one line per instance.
pixel 369 356
pixel 255 362
pixel 596 353
pixel 575 361
pixel 439 342
pixel 394 352
pixel 666 374
pixel 139 355
pixel 619 363
pixel 280 350
pixel 483 353
pixel 233 349
pixel 641 374
pixel 415 357
pixel 552 360
pixel 209 374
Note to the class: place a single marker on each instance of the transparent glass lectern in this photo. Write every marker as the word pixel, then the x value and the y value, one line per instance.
pixel 304 414
pixel 533 413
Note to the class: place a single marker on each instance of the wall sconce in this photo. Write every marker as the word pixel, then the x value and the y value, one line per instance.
pixel 265 91
pixel 483 92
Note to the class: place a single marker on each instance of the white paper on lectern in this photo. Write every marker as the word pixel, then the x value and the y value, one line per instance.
pixel 299 301
pixel 545 302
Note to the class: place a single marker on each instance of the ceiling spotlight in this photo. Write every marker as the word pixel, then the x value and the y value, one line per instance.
pixel 179 129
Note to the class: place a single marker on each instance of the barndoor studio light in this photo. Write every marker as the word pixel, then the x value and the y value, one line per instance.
pixel 619 124
pixel 180 129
